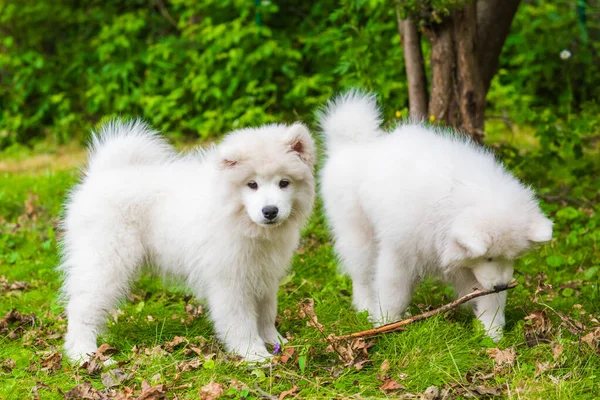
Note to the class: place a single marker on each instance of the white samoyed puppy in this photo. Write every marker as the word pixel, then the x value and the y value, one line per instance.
pixel 226 219
pixel 417 202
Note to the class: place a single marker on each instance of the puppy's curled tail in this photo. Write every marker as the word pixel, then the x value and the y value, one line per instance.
pixel 352 117
pixel 118 144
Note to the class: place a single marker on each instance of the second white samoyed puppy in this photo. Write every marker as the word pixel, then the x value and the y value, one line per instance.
pixel 226 219
pixel 418 202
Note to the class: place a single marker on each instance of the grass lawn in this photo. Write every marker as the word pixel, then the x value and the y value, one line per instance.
pixel 166 347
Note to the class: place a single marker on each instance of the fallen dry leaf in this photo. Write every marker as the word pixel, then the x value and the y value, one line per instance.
pixel 592 339
pixel 189 365
pixel 538 328
pixel 85 391
pixel 307 309
pixel 211 391
pixel 158 392
pixel 431 393
pixel 105 350
pixel 114 378
pixel 13 317
pixel 6 286
pixel 502 357
pixel 52 363
pixel 8 365
pixel 177 340
pixel 391 385
pixel 290 392
pixel 557 350
pixel 288 352
pixel 383 369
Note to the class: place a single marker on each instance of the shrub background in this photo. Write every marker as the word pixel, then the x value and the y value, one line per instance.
pixel 202 67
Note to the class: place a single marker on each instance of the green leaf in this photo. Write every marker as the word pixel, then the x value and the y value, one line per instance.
pixel 555 260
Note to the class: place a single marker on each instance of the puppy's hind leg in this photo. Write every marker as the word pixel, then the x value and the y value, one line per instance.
pixel 356 246
pixel 94 283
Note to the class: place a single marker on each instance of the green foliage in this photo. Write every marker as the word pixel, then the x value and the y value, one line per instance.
pixel 200 67
pixel 533 74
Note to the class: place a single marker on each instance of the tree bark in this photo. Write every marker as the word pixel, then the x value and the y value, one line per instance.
pixel 494 18
pixel 465 53
pixel 469 85
pixel 442 102
pixel 415 67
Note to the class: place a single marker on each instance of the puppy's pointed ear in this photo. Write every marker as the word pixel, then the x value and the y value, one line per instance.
pixel 540 230
pixel 227 164
pixel 299 141
pixel 465 241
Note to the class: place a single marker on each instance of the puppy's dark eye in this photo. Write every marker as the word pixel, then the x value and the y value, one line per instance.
pixel 490 259
pixel 283 183
pixel 253 185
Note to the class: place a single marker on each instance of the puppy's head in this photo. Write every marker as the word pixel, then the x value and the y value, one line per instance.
pixel 270 173
pixel 487 242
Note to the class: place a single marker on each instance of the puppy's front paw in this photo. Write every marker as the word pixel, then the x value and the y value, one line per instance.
pixel 258 356
pixel 272 336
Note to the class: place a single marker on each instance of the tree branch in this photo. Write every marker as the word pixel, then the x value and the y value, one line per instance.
pixel 396 326
pixel 415 66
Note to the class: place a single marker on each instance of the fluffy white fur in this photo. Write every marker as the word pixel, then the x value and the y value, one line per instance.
pixel 417 202
pixel 194 216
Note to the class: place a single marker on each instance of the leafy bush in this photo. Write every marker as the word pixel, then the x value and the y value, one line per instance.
pixel 203 67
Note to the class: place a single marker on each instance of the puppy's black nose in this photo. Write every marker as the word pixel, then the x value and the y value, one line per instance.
pixel 270 212
pixel 500 287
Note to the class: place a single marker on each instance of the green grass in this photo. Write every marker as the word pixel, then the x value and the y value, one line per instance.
pixel 448 351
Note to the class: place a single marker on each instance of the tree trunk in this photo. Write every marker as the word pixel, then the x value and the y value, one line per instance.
pixel 465 52
pixel 415 67
pixel 469 86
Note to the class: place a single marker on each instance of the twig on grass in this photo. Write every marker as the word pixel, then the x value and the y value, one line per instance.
pixel 399 325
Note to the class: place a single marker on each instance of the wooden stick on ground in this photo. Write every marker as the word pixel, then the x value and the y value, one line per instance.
pixel 396 326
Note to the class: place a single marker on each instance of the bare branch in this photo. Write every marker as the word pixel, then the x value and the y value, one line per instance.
pixel 396 326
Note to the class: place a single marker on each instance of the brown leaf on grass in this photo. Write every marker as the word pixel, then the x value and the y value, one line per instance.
pixel 158 392
pixel 543 366
pixel 431 393
pixel 16 319
pixel 93 366
pixel 592 339
pixel 30 205
pixel 502 357
pixel 177 340
pixel 105 350
pixel 383 369
pixel 288 352
pixel 6 286
pixel 192 312
pixel 211 391
pixel 557 350
pixel 85 391
pixel 114 378
pixel 189 365
pixel 471 391
pixel 538 328
pixel 290 392
pixel 52 363
pixel 391 385
pixel 307 309
pixel 8 365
